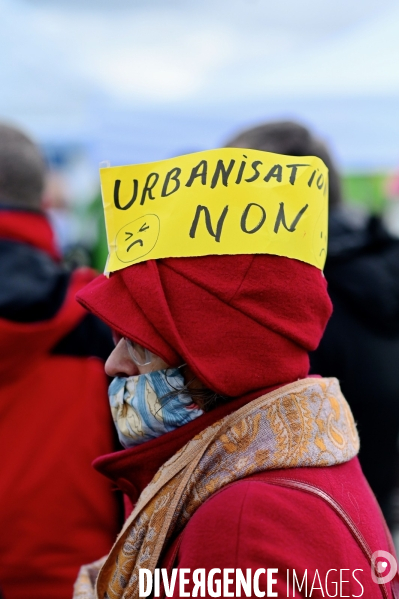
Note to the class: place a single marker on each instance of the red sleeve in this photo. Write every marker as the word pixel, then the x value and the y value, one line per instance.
pixel 254 525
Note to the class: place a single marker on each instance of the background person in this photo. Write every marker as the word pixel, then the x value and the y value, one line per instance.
pixel 361 343
pixel 55 511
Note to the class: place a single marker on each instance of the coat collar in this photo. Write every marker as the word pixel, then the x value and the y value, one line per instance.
pixel 133 469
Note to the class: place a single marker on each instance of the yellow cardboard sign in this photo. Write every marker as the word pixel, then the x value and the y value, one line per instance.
pixel 225 201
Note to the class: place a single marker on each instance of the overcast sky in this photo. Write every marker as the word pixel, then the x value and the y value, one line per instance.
pixel 67 62
pixel 164 51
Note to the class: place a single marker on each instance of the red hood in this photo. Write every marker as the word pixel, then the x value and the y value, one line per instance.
pixel 22 343
pixel 242 323
pixel 26 240
pixel 32 228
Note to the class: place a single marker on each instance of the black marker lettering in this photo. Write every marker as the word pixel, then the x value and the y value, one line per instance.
pixel 173 175
pixel 276 171
pixel 245 216
pixel 241 170
pixel 311 179
pixel 281 219
pixel 196 172
pixel 222 170
pixel 256 174
pixel 208 222
pixel 320 181
pixel 294 168
pixel 116 194
pixel 148 187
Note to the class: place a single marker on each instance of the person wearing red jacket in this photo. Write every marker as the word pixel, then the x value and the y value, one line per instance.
pixel 55 511
pixel 237 463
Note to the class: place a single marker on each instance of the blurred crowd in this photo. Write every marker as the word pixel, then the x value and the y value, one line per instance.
pixel 56 511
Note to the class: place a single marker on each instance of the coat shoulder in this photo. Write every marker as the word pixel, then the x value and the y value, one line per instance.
pixel 255 522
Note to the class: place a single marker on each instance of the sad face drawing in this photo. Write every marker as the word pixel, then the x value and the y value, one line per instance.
pixel 136 239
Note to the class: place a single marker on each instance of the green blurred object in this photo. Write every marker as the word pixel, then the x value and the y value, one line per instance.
pixel 367 189
pixel 100 250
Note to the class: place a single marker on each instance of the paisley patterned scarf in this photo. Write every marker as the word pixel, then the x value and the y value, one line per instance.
pixel 306 423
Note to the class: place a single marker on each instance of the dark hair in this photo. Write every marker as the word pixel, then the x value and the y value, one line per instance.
pixel 293 139
pixel 22 169
pixel 205 398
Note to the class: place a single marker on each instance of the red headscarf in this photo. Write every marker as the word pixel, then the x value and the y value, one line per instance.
pixel 242 323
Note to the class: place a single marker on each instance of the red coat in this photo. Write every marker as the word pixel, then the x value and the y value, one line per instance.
pixel 258 523
pixel 255 523
pixel 242 323
pixel 55 511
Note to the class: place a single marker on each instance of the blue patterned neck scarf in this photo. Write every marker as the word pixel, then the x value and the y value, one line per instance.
pixel 142 408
